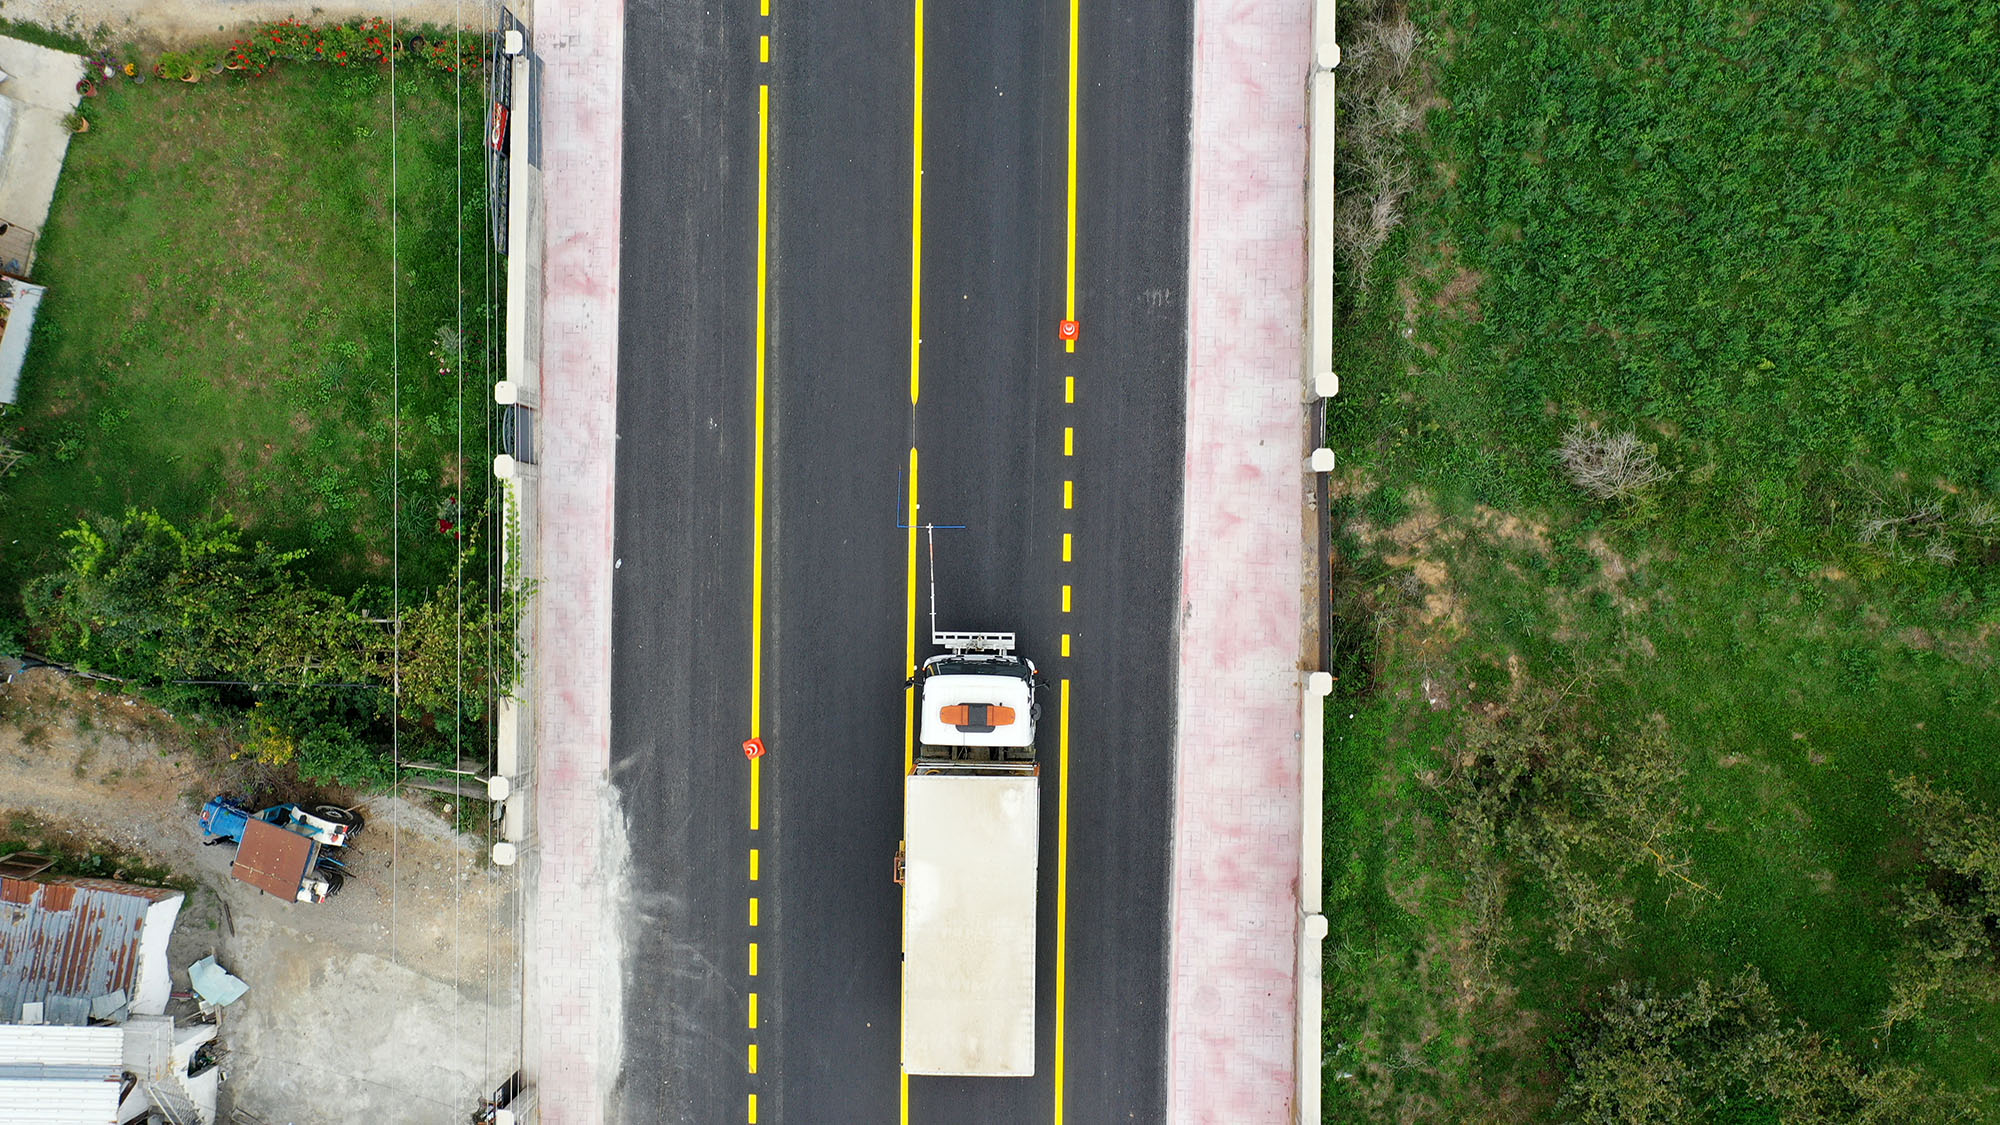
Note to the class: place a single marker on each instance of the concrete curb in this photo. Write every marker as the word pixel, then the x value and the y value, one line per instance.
pixel 1323 383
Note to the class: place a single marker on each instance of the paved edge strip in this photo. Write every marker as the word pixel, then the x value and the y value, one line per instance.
pixel 573 986
pixel 1232 1001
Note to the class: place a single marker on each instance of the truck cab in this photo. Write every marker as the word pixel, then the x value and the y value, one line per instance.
pixel 978 709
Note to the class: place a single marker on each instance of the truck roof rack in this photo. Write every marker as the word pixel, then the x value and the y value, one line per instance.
pixel 960 643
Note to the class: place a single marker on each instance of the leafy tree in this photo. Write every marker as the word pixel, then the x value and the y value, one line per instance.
pixel 1727 1054
pixel 446 666
pixel 141 598
pixel 1578 808
pixel 1952 910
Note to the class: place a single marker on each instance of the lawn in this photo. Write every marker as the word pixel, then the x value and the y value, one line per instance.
pixel 226 329
pixel 1759 239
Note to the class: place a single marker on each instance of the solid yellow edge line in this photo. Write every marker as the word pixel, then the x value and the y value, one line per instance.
pixel 1069 295
pixel 756 789
pixel 916 347
pixel 1062 884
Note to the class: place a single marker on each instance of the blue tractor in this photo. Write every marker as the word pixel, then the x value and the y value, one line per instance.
pixel 290 851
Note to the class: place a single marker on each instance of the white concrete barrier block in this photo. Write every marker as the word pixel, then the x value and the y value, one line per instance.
pixel 497 788
pixel 504 854
pixel 506 392
pixel 504 466
pixel 513 43
pixel 1320 684
pixel 1326 384
pixel 1316 927
pixel 1322 460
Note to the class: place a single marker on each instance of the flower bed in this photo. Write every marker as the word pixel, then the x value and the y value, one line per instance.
pixel 367 41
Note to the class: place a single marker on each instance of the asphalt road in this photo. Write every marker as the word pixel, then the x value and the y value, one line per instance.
pixel 990 428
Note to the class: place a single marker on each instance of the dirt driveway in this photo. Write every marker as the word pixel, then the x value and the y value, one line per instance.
pixel 397 1001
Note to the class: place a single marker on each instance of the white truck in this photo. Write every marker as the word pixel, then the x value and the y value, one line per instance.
pixel 971 835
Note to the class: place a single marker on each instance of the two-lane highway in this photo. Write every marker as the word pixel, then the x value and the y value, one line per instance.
pixel 914 166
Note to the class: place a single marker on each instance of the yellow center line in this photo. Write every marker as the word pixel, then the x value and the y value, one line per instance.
pixel 755 858
pixel 1069 294
pixel 1069 494
pixel 916 350
pixel 1065 644
pixel 1069 389
pixel 1066 546
pixel 763 48
pixel 1069 441
pixel 757 456
pixel 1062 881
pixel 757 503
pixel 1065 599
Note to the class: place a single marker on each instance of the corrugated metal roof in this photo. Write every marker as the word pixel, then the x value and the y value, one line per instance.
pixel 64 944
pixel 61 1075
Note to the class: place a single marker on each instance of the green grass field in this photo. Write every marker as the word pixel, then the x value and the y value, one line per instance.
pixel 1761 240
pixel 224 330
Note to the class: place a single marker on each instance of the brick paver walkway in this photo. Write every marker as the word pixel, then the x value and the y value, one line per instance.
pixel 1232 1006
pixel 572 977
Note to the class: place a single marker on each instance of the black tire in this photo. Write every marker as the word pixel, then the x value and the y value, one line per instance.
pixel 334 881
pixel 335 814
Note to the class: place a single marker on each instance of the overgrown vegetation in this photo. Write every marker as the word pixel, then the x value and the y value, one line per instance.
pixel 254 428
pixel 1659 777
pixel 197 617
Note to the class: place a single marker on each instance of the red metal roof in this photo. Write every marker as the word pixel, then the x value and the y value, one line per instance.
pixel 272 859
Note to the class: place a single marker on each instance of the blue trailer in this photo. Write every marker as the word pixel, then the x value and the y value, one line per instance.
pixel 288 851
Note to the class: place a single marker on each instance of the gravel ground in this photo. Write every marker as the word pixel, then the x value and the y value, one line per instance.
pixel 172 23
pixel 397 1001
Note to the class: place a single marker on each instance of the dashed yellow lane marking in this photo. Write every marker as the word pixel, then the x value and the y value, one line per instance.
pixel 1069 494
pixel 753 1058
pixel 1069 389
pixel 1066 554
pixel 753 911
pixel 753 1009
pixel 763 48
pixel 753 1109
pixel 753 958
pixel 1065 599
pixel 754 854
pixel 1069 441
pixel 1065 644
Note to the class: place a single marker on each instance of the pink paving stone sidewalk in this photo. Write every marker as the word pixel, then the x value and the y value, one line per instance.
pixel 572 977
pixel 1232 1006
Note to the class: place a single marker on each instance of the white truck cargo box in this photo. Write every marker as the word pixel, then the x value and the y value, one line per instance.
pixel 970 850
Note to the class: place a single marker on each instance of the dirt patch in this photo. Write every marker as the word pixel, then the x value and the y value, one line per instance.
pixel 395 1001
